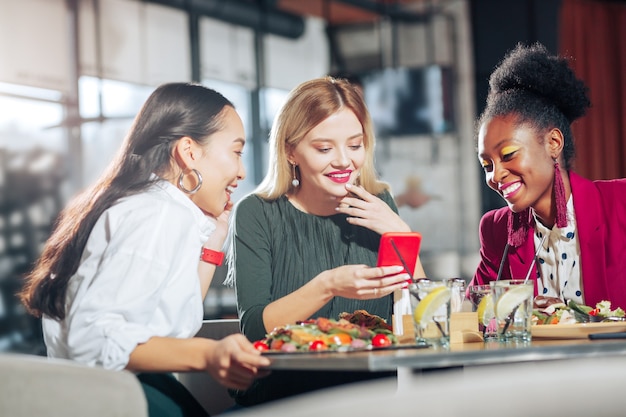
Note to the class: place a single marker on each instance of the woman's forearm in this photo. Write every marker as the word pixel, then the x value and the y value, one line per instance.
pixel 298 305
pixel 168 354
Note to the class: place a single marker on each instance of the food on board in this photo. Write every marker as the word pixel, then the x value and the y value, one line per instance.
pixel 352 331
pixel 365 319
pixel 548 311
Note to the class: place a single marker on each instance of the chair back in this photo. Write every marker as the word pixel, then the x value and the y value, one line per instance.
pixel 209 393
pixel 39 386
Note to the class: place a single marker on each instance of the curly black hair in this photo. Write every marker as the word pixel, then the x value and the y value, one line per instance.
pixel 541 90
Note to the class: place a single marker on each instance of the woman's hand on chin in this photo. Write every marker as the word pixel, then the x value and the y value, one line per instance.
pixel 367 210
pixel 217 238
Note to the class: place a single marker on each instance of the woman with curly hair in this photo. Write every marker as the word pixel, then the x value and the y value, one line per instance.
pixel 526 148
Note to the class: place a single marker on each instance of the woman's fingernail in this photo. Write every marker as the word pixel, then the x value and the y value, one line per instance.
pixel 348 185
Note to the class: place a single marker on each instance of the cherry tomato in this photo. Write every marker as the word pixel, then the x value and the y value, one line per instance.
pixel 381 340
pixel 261 345
pixel 594 312
pixel 317 345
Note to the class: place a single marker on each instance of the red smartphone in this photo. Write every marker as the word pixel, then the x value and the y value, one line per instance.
pixel 407 245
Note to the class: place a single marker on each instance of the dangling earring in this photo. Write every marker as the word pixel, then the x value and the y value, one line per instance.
pixel 181 184
pixel 559 197
pixel 518 225
pixel 295 181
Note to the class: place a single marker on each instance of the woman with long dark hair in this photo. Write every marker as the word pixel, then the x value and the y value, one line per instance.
pixel 121 281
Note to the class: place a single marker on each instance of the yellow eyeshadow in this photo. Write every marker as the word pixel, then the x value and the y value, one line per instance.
pixel 509 149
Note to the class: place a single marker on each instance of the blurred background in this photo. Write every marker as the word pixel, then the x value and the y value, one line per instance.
pixel 73 73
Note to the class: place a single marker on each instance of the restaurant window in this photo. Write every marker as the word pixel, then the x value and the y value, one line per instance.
pixel 107 109
pixel 33 188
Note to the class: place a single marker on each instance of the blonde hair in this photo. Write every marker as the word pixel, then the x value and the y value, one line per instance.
pixel 308 105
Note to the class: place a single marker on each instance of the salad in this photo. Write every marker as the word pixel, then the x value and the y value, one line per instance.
pixel 356 331
pixel 561 313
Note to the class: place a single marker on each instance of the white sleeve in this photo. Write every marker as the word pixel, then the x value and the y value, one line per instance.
pixel 139 269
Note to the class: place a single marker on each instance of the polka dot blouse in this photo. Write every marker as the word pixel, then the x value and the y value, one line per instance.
pixel 558 260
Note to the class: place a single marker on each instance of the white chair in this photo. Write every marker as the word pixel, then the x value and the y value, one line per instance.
pixel 209 393
pixel 37 386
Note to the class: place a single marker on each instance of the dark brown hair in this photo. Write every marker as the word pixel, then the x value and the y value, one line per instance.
pixel 171 112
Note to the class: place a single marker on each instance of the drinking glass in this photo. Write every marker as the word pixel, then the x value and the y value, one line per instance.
pixel 457 293
pixel 430 303
pixel 482 303
pixel 513 305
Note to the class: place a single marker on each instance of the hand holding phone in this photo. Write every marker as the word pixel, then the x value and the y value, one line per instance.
pixel 399 248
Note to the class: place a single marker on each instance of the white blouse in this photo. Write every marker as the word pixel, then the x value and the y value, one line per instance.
pixel 138 278
pixel 558 260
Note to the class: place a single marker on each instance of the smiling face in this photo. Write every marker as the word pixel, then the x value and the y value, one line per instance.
pixel 518 164
pixel 220 164
pixel 329 157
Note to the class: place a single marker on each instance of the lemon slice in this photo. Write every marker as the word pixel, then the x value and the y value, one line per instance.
pixel 428 306
pixel 485 310
pixel 511 299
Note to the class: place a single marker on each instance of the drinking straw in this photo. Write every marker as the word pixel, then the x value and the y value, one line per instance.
pixel 506 250
pixel 395 248
pixel 535 258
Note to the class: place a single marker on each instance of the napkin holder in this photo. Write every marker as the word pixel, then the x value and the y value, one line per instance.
pixel 464 328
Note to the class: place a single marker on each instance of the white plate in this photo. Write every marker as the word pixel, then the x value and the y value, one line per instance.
pixel 575 331
pixel 346 350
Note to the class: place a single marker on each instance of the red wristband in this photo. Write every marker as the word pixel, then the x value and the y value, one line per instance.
pixel 212 256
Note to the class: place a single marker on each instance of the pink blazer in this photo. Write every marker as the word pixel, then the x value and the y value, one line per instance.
pixel 600 210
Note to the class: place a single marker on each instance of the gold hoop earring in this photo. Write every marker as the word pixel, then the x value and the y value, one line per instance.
pixel 181 184
pixel 294 181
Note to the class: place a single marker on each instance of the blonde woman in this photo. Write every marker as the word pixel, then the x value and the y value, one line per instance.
pixel 304 243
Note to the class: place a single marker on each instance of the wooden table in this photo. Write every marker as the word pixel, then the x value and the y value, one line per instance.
pixel 459 355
